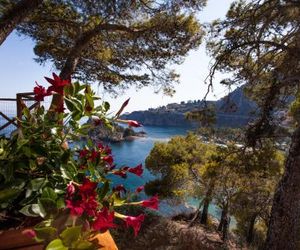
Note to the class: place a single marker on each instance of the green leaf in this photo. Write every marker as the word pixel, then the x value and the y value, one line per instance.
pixel 7 172
pixel 45 233
pixel 49 193
pixel 117 201
pixel 37 184
pixel 103 191
pixel 89 100
pixel 106 106
pixel 9 194
pixel 71 235
pixel 60 203
pixel 47 207
pixel 31 210
pixel 68 171
pixel 56 245
pixel 84 245
pixel 66 156
pixel 72 105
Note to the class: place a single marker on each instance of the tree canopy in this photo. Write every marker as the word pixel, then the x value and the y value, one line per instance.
pixel 240 182
pixel 258 43
pixel 116 43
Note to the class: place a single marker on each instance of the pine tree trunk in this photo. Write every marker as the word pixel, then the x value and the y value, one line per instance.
pixel 283 229
pixel 15 16
pixel 249 237
pixel 222 220
pixel 225 227
pixel 71 63
pixel 204 214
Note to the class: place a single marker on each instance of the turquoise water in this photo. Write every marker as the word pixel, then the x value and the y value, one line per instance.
pixel 132 153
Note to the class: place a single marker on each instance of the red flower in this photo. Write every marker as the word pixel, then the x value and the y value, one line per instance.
pixel 108 159
pixel 29 233
pixel 88 188
pixel 88 108
pixel 139 189
pixel 83 153
pixel 94 155
pixel 107 150
pixel 120 173
pixel 119 188
pixel 39 93
pixel 151 203
pixel 57 83
pixel 90 205
pixel 104 220
pixel 75 207
pixel 138 170
pixel 135 222
pixel 134 123
pixel 97 122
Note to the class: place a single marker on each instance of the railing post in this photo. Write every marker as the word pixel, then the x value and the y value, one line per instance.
pixel 19 110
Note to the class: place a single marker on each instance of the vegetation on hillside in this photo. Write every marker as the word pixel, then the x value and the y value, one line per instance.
pixel 239 181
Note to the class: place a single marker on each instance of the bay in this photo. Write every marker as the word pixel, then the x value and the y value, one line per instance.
pixel 132 153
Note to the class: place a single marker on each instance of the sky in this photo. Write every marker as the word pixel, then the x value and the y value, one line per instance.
pixel 18 71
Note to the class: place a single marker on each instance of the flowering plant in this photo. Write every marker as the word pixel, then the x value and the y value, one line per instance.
pixel 66 186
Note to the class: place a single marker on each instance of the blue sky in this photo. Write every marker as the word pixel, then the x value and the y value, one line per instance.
pixel 19 72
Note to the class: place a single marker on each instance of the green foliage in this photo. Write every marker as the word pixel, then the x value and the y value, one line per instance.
pixel 177 162
pixel 239 180
pixel 65 186
pixel 257 44
pixel 119 43
pixel 295 109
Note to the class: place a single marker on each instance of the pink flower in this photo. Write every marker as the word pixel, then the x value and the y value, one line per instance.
pixel 57 83
pixel 104 220
pixel 83 153
pixel 139 189
pixel 151 203
pixel 120 173
pixel 134 123
pixel 70 189
pixel 29 233
pixel 138 170
pixel 135 222
pixel 108 159
pixel 119 188
pixel 39 93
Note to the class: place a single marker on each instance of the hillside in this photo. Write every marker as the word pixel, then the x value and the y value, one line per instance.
pixel 232 111
pixel 159 233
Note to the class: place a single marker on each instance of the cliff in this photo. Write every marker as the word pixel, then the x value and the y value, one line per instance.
pixel 234 110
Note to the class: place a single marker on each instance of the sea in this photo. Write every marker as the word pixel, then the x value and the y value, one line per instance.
pixel 134 152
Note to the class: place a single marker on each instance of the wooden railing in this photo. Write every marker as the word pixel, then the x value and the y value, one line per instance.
pixel 20 101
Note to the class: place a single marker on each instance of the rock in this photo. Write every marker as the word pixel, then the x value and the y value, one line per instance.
pixel 117 134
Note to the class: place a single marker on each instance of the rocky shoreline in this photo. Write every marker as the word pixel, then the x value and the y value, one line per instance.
pixel 115 135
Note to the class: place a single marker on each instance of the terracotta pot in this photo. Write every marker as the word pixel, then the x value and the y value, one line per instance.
pixel 105 241
pixel 14 239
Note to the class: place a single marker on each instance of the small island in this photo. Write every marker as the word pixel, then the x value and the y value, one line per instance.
pixel 117 134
